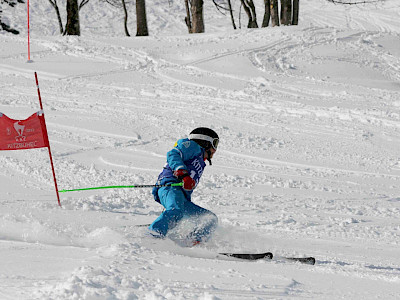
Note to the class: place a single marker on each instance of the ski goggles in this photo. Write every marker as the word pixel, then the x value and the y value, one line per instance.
pixel 213 141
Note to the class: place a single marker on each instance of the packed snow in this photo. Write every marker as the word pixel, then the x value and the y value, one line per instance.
pixel 308 163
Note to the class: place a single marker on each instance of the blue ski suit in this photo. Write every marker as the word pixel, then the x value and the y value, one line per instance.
pixel 186 155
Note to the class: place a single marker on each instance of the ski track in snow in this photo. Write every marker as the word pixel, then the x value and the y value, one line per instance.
pixel 309 120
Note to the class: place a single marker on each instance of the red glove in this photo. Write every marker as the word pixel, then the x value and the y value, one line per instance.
pixel 188 182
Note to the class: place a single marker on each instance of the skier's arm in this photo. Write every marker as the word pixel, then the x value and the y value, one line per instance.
pixel 183 151
pixel 176 158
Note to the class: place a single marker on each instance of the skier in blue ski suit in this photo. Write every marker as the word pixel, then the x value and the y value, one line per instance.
pixel 185 163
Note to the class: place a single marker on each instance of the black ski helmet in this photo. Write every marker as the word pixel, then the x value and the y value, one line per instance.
pixel 205 137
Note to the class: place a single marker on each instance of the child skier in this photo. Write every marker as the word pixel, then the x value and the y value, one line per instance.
pixel 186 163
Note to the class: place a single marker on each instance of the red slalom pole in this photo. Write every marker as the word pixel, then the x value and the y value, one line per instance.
pixel 29 43
pixel 51 158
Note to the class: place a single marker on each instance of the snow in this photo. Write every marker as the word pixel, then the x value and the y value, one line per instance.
pixel 308 164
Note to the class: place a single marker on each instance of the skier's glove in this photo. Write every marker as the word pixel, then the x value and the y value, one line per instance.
pixel 188 182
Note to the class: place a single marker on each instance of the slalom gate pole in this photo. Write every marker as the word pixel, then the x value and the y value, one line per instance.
pixel 29 45
pixel 51 158
pixel 122 187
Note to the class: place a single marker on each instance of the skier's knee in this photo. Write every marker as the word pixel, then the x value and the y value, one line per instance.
pixel 212 219
pixel 174 215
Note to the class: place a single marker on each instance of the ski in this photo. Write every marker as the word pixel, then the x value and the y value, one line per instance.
pixel 249 256
pixel 245 256
pixel 305 260
pixel 268 255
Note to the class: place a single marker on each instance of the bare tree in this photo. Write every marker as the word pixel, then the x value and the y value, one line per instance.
pixel 194 16
pixel 196 8
pixel 141 19
pixel 267 13
pixel 119 4
pixel 274 13
pixel 194 19
pixel 72 27
pixel 231 13
pixel 249 8
pixel 286 12
pixel 188 18
pixel 222 9
pixel 295 17
pixel 125 18
pixel 55 6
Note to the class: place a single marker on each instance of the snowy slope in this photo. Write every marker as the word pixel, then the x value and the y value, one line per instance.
pixel 308 164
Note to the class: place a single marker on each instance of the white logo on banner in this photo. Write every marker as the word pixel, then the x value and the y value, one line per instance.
pixel 20 130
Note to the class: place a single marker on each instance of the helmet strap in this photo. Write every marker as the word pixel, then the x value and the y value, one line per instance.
pixel 208 156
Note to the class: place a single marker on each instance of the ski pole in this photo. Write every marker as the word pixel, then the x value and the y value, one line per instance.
pixel 122 187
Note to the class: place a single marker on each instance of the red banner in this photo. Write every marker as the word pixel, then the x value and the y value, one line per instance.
pixel 26 134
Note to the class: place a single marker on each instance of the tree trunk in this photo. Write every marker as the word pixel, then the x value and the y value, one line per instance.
pixel 141 19
pixel 274 13
pixel 125 18
pixel 267 13
pixel 295 19
pixel 286 12
pixel 188 18
pixel 231 12
pixel 246 9
pixel 253 14
pixel 72 27
pixel 196 7
pixel 240 15
pixel 55 6
pixel 250 10
pixel 60 24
